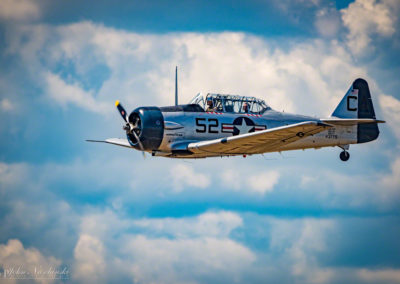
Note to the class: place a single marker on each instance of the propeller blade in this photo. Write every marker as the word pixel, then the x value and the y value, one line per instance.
pixel 122 111
pixel 140 143
pixel 129 128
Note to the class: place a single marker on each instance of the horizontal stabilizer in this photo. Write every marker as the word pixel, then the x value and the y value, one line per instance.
pixel 350 121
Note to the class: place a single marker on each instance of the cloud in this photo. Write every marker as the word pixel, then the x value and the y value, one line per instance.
pixel 367 18
pixel 13 255
pixel 138 68
pixel 380 275
pixel 184 176
pixel 263 182
pixel 163 260
pixel 159 250
pixel 254 182
pixel 311 241
pixel 328 22
pixel 65 94
pixel 391 109
pixel 6 105
pixel 225 246
pixel 210 224
pixel 19 10
pixel 89 266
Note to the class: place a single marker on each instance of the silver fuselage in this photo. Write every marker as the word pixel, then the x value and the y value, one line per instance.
pixel 183 127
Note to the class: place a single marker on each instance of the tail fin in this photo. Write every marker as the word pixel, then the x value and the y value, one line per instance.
pixel 357 103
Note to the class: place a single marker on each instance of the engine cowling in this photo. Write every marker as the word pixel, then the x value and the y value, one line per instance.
pixel 148 123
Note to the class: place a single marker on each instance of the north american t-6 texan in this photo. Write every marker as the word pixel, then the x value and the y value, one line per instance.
pixel 229 125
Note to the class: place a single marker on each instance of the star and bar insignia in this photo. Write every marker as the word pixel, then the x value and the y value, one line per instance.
pixel 242 125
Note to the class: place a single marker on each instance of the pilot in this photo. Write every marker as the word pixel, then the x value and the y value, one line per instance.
pixel 210 105
pixel 245 108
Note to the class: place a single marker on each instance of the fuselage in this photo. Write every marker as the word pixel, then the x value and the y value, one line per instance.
pixel 182 127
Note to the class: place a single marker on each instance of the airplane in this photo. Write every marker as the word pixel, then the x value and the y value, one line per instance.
pixel 230 125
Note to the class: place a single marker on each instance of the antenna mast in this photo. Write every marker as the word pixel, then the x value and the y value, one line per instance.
pixel 176 85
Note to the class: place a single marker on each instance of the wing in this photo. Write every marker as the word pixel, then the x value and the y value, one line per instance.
pixel 260 141
pixel 115 141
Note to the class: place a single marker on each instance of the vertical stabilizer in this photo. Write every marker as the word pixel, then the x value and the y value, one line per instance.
pixel 357 103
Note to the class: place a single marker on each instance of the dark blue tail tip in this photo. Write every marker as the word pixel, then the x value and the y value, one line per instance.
pixel 360 83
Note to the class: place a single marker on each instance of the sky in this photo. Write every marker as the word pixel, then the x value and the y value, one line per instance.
pixel 107 215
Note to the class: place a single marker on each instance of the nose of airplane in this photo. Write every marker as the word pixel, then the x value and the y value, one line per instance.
pixel 148 125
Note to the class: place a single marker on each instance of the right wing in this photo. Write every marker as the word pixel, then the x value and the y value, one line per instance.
pixel 260 141
pixel 115 141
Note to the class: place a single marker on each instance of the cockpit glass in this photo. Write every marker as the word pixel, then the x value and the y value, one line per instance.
pixel 198 100
pixel 230 103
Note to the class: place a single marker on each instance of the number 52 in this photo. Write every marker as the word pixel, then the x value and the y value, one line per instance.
pixel 202 124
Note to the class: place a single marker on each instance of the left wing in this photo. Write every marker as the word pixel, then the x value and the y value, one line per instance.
pixel 115 141
pixel 260 141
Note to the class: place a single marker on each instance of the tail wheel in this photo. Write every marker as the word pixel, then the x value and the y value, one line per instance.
pixel 344 156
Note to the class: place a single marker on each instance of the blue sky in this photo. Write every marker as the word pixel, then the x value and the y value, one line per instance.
pixel 111 216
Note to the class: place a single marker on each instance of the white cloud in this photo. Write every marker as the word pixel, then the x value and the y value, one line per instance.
pixel 184 176
pixel 263 182
pixel 160 250
pixel 254 182
pixel 301 240
pixel 311 241
pixel 141 66
pixel 380 191
pixel 328 22
pixel 65 94
pixel 19 9
pixel 10 174
pixel 209 224
pixel 164 260
pixel 89 266
pixel 6 105
pixel 13 255
pixel 389 184
pixel 366 18
pixel 380 275
pixel 391 110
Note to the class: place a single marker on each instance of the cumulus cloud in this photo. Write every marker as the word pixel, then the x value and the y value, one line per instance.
pixel 391 109
pixel 367 18
pixel 264 182
pixel 210 224
pixel 64 94
pixel 380 191
pixel 160 250
pixel 13 255
pixel 380 275
pixel 328 22
pixel 6 105
pixel 19 9
pixel 311 240
pixel 89 266
pixel 163 260
pixel 255 182
pixel 184 176
pixel 138 68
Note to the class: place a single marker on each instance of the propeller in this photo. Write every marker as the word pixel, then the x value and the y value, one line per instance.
pixel 129 127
